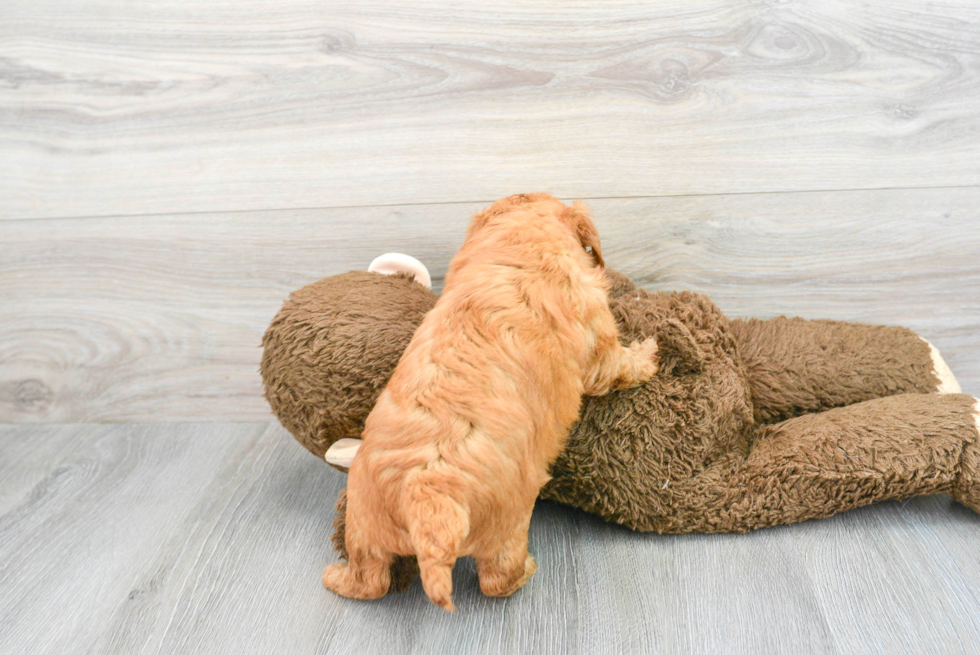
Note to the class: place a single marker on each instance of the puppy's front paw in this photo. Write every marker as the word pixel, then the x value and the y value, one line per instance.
pixel 646 355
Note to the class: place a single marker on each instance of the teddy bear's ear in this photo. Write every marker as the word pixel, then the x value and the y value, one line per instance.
pixel 391 263
pixel 680 353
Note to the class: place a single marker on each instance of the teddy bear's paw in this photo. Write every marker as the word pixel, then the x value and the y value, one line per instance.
pixel 947 381
pixel 341 452
pixel 967 487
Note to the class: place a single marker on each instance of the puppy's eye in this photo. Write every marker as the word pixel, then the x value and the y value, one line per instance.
pixel 588 249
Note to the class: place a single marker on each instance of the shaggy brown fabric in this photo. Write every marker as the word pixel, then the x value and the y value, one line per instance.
pixel 818 464
pixel 330 350
pixel 749 424
pixel 799 367
pixel 633 453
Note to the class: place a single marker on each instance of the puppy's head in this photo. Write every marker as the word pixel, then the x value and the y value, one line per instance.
pixel 576 218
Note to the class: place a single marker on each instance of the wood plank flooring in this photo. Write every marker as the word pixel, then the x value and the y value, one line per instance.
pixel 192 538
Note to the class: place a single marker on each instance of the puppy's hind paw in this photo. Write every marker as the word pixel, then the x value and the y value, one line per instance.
pixel 336 577
pixel 498 582
pixel 367 583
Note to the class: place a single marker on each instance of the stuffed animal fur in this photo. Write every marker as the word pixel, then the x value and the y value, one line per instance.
pixel 750 423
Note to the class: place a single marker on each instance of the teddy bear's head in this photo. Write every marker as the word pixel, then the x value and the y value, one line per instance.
pixel 333 346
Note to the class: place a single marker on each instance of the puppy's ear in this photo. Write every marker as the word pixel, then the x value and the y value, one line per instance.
pixel 586 232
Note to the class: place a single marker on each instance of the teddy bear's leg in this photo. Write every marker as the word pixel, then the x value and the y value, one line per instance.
pixel 509 569
pixel 796 366
pixel 820 464
pixel 404 569
pixel 967 487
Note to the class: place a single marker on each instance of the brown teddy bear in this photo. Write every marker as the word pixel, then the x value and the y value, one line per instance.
pixel 750 423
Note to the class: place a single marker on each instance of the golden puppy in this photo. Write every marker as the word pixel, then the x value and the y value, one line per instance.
pixel 459 442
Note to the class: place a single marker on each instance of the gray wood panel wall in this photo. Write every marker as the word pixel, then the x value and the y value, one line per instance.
pixel 161 317
pixel 135 108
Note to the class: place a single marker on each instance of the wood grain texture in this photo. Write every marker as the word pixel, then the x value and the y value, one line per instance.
pixel 196 538
pixel 160 318
pixel 109 107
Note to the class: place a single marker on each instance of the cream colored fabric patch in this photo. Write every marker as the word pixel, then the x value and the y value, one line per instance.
pixel 395 262
pixel 342 452
pixel 947 381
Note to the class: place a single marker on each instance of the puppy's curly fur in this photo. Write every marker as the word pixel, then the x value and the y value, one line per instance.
pixel 459 443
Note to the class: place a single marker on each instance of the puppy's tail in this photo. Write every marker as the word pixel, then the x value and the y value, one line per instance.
pixel 437 525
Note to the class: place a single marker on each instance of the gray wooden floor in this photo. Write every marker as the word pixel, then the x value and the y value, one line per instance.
pixel 170 171
pixel 210 538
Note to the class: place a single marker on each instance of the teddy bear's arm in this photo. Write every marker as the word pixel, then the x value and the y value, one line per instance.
pixel 796 366
pixel 820 464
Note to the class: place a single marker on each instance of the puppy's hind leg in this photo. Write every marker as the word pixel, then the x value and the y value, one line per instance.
pixel 365 575
pixel 509 570
pixel 363 578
